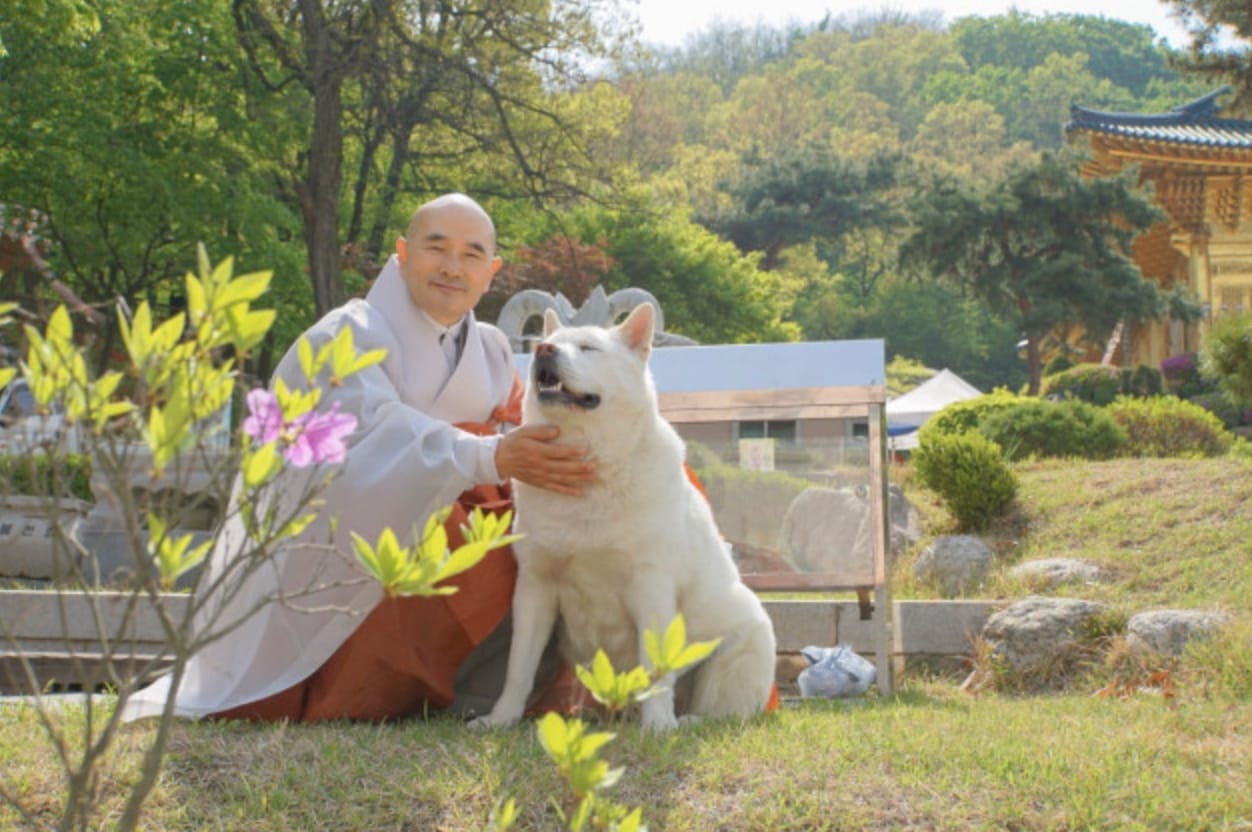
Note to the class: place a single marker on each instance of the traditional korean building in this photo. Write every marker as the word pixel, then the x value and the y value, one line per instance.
pixel 1199 165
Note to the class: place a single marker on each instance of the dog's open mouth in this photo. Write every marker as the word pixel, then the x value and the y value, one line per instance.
pixel 553 391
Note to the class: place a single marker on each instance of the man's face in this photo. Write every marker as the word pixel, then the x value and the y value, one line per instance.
pixel 448 260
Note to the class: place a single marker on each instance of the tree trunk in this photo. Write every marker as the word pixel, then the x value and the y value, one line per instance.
pixel 1034 363
pixel 391 187
pixel 324 179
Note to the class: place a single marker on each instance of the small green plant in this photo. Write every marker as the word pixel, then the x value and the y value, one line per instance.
pixel 575 750
pixel 969 472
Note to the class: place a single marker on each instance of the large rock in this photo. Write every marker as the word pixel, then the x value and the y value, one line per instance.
pixel 905 522
pixel 1168 632
pixel 1052 572
pixel 828 530
pixel 1034 631
pixel 955 563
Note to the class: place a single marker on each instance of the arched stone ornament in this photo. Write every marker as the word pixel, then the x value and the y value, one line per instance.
pixel 600 309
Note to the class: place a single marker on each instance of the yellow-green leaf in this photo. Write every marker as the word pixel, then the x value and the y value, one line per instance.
pixel 260 465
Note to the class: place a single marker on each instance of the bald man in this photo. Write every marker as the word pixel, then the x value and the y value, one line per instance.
pixel 306 638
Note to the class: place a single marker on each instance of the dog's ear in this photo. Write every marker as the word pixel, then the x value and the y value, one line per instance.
pixel 551 323
pixel 636 330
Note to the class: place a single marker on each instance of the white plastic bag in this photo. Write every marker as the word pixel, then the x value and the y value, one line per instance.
pixel 835 672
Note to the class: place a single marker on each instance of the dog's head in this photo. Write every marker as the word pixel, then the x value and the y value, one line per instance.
pixel 579 369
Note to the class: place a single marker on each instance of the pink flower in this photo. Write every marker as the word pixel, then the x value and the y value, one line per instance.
pixel 319 437
pixel 308 440
pixel 265 420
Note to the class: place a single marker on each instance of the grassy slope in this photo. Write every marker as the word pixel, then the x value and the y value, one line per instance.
pixel 1174 533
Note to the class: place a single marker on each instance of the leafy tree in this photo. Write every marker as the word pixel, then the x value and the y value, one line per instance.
pixel 1122 53
pixel 125 125
pixel 725 52
pixel 667 113
pixel 707 289
pixel 810 194
pixel 767 114
pixel 557 264
pixel 966 139
pixel 1042 248
pixel 1220 32
pixel 478 70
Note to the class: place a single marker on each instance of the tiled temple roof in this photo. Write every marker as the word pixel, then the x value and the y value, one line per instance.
pixel 1195 123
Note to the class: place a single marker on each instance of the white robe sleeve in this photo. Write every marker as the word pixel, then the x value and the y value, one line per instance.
pixel 402 465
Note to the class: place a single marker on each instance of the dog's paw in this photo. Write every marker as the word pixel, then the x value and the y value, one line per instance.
pixel 492 722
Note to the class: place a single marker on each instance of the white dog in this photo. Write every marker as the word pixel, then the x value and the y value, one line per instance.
pixel 639 546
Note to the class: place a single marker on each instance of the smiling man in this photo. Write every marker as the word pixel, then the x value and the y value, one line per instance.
pixel 436 427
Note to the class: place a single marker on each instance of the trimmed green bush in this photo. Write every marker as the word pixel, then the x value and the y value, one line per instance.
pixel 1086 382
pixel 1042 428
pixel 969 473
pixel 1143 381
pixel 963 416
pixel 33 476
pixel 1165 426
pixel 1226 356
pixel 1220 405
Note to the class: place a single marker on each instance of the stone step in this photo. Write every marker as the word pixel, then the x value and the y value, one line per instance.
pixel 62 632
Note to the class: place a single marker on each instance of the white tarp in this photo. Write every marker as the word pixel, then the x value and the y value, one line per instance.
pixel 907 413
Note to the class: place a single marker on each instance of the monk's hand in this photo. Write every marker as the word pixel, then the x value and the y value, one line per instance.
pixel 532 455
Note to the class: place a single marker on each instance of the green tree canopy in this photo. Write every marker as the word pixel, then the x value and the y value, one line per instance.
pixel 1042 248
pixel 707 289
pixel 810 194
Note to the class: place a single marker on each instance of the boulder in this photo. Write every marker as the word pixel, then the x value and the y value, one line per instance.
pixel 1168 632
pixel 1032 632
pixel 828 530
pixel 1052 572
pixel 956 563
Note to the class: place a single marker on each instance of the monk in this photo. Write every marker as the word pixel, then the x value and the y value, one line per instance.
pixel 306 637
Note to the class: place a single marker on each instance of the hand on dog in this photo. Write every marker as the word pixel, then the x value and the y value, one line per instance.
pixel 532 455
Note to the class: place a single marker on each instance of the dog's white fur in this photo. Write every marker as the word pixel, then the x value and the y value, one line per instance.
pixel 639 546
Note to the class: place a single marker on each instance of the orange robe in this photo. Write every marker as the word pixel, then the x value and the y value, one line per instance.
pixel 402 658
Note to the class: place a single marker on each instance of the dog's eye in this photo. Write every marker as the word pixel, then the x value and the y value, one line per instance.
pixel 588 348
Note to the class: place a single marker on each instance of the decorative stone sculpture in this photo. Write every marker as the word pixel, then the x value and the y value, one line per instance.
pixel 600 309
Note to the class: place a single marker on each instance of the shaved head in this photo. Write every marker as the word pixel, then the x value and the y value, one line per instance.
pixel 454 203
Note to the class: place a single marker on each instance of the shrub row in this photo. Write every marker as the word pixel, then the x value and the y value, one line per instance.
pixel 964 449
pixel 34 476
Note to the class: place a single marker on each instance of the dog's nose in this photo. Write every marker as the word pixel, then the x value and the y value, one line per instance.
pixel 545 350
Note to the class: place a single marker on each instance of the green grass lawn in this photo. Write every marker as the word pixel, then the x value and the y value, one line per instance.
pixel 1170 532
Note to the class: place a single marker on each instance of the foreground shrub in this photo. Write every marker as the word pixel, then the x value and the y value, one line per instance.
pixel 963 416
pixel 1165 426
pixel 968 471
pixel 1041 428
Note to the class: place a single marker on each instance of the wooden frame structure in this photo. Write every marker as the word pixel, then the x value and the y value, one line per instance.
pixel 856 391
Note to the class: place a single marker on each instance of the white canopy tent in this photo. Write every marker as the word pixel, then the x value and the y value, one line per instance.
pixel 907 413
